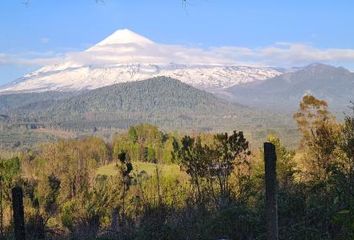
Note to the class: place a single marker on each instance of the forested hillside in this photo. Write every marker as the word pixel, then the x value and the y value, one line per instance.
pixel 10 102
pixel 282 93
pixel 166 102
pixel 151 184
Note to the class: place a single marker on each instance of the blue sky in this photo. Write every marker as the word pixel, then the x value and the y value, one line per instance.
pixel 46 29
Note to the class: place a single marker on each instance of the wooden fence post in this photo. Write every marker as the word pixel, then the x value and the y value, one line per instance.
pixel 1 211
pixel 18 213
pixel 270 160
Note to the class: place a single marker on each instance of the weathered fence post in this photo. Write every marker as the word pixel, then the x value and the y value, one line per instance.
pixel 1 211
pixel 18 213
pixel 270 160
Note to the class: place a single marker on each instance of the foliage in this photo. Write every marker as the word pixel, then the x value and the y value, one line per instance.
pixel 195 159
pixel 148 184
pixel 144 143
pixel 29 118
pixel 9 172
pixel 319 136
pixel 210 167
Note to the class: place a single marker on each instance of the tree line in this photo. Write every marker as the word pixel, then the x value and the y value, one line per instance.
pixel 216 192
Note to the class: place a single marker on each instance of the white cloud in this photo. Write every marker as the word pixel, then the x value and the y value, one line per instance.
pixel 149 53
pixel 289 54
pixel 279 54
pixel 30 58
pixel 3 59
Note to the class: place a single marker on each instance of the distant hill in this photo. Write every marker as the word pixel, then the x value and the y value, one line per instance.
pixel 9 102
pixel 333 84
pixel 158 95
pixel 162 101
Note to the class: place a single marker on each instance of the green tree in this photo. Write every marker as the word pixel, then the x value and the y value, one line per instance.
pixel 320 133
pixel 343 177
pixel 195 158
pixel 231 154
pixel 311 114
pixel 346 145
pixel 10 170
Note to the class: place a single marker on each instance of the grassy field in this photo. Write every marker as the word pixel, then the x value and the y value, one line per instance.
pixel 149 168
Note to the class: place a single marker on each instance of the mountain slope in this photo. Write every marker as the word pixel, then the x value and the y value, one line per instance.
pixel 284 92
pixel 159 95
pixel 126 56
pixel 9 102
pixel 163 101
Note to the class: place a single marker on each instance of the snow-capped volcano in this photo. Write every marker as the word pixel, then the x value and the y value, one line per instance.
pixel 124 36
pixel 127 56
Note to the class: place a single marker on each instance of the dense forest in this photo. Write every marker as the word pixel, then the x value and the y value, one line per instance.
pixel 150 184
pixel 29 118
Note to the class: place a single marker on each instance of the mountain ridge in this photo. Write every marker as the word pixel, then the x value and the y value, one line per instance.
pixel 126 56
pixel 284 92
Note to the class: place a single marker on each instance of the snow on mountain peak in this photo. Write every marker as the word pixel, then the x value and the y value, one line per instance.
pixel 124 36
pixel 127 56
